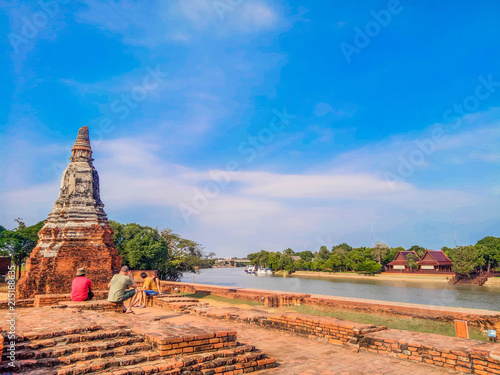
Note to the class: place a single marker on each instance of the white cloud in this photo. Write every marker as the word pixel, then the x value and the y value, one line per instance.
pixel 256 16
pixel 273 210
pixel 180 21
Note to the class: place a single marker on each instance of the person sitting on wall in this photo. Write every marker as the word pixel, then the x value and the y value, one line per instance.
pixel 118 287
pixel 150 288
pixel 81 287
pixel 156 280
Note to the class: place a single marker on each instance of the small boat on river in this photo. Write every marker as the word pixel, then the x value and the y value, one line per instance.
pixel 250 269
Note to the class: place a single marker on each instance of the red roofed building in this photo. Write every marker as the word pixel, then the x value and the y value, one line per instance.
pixel 399 262
pixel 435 260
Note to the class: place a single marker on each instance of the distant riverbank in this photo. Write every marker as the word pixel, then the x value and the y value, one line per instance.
pixel 406 277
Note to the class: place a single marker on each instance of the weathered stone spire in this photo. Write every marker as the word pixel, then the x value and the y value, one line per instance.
pixel 76 233
pixel 79 197
pixel 81 150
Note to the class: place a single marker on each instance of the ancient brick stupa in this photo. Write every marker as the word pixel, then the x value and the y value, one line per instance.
pixel 76 233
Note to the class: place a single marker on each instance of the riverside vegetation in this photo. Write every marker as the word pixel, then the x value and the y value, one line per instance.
pixel 483 256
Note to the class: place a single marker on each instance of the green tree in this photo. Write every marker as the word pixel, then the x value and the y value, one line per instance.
pixel 19 243
pixel 306 265
pixel 273 260
pixel 380 250
pixel 316 265
pixel 323 254
pixel 466 259
pixel 418 249
pixel 3 252
pixel 368 266
pixel 411 262
pixel 286 262
pixel 183 256
pixel 489 249
pixel 289 252
pixel 447 251
pixel 333 263
pixel 306 255
pixel 356 256
pixel 141 247
pixel 341 248
pixel 260 259
pixel 298 264
pixel 391 254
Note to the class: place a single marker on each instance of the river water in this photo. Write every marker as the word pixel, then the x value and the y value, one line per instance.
pixel 470 296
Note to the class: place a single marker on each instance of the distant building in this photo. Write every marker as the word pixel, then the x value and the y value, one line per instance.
pixel 399 262
pixel 295 258
pixel 435 260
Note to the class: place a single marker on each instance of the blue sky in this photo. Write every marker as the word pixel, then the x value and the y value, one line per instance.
pixel 260 125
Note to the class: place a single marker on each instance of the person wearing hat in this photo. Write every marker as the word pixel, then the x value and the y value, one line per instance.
pixel 81 288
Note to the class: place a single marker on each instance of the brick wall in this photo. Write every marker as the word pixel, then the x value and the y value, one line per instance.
pixel 170 346
pixel 267 298
pixel 333 330
pixel 41 300
pixel 469 356
pixel 20 303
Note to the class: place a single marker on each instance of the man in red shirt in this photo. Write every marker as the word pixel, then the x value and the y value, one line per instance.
pixel 81 288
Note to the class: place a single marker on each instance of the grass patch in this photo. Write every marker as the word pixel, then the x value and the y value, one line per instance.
pixel 232 301
pixel 408 324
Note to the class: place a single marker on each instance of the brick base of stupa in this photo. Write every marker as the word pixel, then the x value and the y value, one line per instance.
pixel 53 262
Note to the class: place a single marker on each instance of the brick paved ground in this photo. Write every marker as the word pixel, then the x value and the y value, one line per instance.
pixel 295 355
pixel 300 356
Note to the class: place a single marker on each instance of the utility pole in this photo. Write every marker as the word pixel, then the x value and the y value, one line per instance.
pixel 454 234
pixel 371 225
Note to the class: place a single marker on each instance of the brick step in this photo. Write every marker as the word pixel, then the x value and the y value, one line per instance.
pixel 50 335
pixel 76 347
pixel 247 362
pixel 224 361
pixel 72 338
pixel 126 353
pixel 243 357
